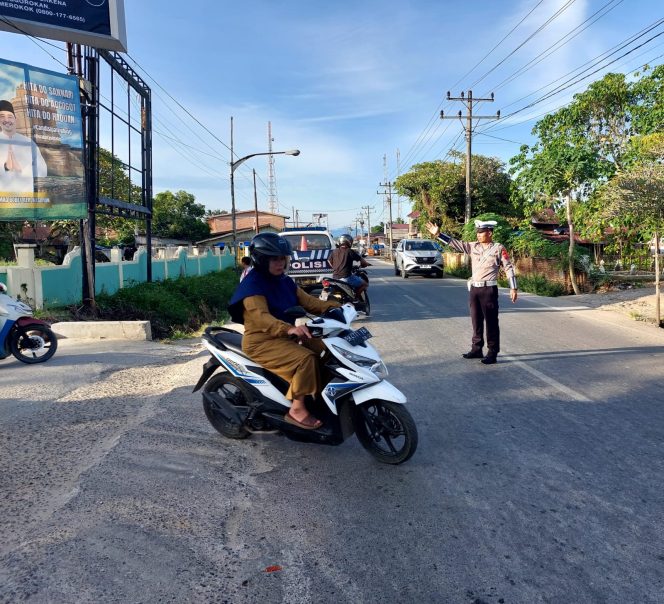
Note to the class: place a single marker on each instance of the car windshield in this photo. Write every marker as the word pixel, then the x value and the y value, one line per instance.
pixel 314 241
pixel 420 246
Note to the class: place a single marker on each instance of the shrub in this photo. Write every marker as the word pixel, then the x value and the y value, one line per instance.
pixel 461 272
pixel 172 306
pixel 540 285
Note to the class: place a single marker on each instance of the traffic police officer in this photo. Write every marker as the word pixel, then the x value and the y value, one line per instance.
pixel 486 259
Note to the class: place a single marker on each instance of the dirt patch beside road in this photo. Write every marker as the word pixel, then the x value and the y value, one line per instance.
pixel 637 303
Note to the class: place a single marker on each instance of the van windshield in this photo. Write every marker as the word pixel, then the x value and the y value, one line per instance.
pixel 314 241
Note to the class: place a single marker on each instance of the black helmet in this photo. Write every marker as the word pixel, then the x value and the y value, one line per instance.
pixel 265 246
pixel 345 239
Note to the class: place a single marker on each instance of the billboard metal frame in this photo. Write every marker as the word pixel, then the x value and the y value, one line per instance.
pixel 102 105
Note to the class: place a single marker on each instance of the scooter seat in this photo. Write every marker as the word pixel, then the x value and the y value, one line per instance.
pixel 227 338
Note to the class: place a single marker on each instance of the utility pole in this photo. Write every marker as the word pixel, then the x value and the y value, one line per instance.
pixel 368 210
pixel 255 203
pixel 272 200
pixel 398 174
pixel 468 127
pixel 388 197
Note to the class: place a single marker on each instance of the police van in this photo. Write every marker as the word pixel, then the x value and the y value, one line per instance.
pixel 311 249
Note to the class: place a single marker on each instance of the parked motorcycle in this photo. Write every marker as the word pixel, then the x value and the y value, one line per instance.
pixel 339 290
pixel 29 339
pixel 246 398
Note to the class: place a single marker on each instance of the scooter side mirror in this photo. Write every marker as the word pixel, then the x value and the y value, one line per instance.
pixel 297 312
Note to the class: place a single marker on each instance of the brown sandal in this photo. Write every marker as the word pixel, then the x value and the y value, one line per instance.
pixel 309 422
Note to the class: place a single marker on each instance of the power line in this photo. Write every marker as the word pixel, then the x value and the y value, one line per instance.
pixel 559 44
pixel 550 20
pixel 434 118
pixel 585 77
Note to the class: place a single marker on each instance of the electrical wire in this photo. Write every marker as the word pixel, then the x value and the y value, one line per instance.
pixel 34 39
pixel 559 44
pixel 434 118
pixel 544 25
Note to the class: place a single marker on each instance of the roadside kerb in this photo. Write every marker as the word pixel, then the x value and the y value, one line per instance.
pixel 103 330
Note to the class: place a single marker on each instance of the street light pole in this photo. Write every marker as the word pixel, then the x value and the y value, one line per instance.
pixel 234 166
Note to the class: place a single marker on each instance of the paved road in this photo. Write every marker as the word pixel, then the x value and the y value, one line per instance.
pixel 538 479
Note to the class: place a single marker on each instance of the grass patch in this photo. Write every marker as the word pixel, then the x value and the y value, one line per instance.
pixel 460 272
pixel 176 308
pixel 540 285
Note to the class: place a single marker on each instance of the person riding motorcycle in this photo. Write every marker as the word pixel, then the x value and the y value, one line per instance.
pixel 341 260
pixel 270 336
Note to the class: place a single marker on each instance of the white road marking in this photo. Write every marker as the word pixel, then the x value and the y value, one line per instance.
pixel 414 301
pixel 577 396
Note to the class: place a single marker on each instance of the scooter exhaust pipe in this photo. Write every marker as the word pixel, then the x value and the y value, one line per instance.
pixel 221 405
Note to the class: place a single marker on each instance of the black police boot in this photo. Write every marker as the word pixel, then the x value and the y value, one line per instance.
pixel 473 354
pixel 489 359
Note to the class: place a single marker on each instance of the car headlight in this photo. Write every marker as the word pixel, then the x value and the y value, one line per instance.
pixel 376 367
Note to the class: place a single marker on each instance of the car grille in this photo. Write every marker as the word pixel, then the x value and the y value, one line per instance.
pixel 426 260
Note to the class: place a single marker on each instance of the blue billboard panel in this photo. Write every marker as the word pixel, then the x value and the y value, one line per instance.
pixel 42 176
pixel 98 23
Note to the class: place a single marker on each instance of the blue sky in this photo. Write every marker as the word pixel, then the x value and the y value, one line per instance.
pixel 348 83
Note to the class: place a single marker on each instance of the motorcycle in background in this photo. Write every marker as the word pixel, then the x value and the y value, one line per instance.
pixel 29 339
pixel 336 289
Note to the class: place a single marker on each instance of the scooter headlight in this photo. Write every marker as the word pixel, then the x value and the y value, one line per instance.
pixel 379 370
pixel 376 367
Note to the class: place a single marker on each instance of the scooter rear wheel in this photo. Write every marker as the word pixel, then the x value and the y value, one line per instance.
pixel 386 430
pixel 34 344
pixel 236 393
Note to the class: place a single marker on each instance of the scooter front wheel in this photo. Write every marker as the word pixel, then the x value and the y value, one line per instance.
pixel 234 392
pixel 33 344
pixel 386 430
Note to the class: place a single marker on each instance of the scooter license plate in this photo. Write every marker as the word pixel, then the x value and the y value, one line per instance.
pixel 357 336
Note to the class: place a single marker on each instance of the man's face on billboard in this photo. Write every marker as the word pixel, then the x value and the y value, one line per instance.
pixel 8 122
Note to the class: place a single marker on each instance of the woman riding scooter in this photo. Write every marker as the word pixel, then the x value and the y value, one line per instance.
pixel 270 337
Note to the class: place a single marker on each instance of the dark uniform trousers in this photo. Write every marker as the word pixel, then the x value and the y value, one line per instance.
pixel 484 309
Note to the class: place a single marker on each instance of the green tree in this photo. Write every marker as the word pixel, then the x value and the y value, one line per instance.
pixel 178 216
pixel 554 167
pixel 437 190
pixel 114 182
pixel 639 191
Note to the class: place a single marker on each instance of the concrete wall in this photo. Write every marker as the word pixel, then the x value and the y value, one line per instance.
pixel 51 286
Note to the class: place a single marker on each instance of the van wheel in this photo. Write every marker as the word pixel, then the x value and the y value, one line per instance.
pixel 396 269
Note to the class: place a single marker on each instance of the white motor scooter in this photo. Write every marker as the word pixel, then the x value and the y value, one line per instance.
pixel 246 398
pixel 29 339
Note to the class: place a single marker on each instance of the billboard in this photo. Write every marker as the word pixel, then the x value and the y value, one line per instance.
pixel 97 23
pixel 42 176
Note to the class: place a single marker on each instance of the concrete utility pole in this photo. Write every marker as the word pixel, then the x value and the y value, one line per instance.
pixel 368 210
pixel 468 127
pixel 387 186
pixel 398 174
pixel 255 204
pixel 272 201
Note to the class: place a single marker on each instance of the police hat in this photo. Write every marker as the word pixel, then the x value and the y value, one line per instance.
pixel 485 225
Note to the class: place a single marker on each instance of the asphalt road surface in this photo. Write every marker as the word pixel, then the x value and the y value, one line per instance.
pixel 538 479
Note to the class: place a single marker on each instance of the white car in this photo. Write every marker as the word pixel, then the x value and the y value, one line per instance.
pixel 418 257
